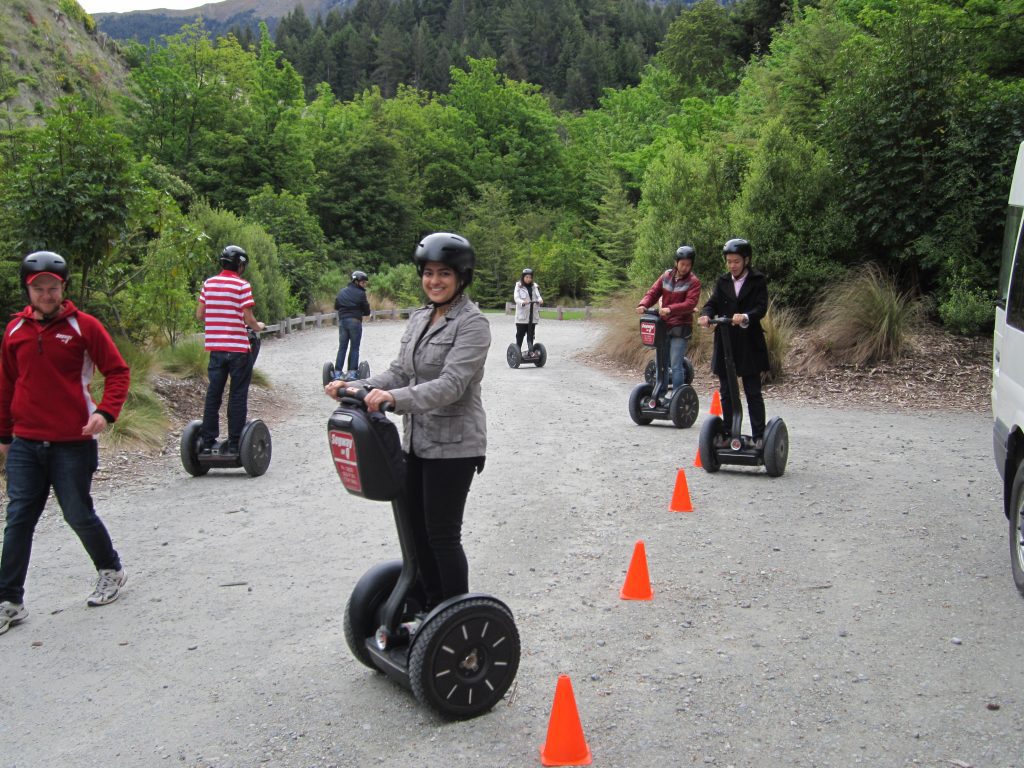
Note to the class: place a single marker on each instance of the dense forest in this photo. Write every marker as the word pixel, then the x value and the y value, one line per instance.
pixel 834 135
pixel 573 50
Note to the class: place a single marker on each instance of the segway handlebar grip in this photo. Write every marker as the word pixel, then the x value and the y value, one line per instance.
pixel 358 399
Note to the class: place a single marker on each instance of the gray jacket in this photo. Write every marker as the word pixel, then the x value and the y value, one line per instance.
pixel 436 382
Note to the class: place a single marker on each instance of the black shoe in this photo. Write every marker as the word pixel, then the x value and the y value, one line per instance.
pixel 205 449
pixel 230 447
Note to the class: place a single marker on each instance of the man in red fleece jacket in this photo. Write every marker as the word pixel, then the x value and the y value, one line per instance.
pixel 48 427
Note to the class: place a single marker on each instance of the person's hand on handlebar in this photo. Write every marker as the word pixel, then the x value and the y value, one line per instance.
pixel 379 399
pixel 332 388
pixel 702 321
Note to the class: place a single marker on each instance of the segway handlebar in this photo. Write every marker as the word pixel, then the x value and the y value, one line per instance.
pixel 357 399
pixel 720 320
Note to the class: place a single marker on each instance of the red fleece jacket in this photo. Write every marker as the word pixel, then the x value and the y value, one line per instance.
pixel 47 369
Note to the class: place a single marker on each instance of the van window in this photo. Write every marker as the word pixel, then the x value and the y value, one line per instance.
pixel 1014 215
pixel 1015 300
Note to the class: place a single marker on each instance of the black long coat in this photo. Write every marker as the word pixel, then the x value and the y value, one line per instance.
pixel 749 349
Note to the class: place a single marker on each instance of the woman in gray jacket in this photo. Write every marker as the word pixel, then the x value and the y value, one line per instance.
pixel 435 384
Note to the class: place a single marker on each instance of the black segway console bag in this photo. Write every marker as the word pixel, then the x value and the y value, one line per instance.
pixel 367 452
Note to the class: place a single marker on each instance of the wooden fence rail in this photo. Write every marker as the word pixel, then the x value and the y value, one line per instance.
pixel 290 324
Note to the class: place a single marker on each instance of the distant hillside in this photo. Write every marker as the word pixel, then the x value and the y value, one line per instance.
pixel 50 49
pixel 219 18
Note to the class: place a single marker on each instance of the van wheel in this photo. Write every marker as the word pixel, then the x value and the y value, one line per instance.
pixel 1017 528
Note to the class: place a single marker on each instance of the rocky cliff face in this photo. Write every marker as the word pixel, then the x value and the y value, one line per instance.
pixel 50 49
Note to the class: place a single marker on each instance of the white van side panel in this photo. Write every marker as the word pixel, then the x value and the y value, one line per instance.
pixel 1008 338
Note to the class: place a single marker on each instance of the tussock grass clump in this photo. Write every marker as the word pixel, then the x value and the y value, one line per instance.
pixel 186 359
pixel 865 319
pixel 189 360
pixel 779 326
pixel 142 423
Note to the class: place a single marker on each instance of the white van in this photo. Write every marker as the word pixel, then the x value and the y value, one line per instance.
pixel 1008 372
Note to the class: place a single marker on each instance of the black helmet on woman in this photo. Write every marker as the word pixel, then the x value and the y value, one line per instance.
pixel 43 263
pixel 234 258
pixel 526 272
pixel 359 276
pixel 740 246
pixel 450 249
pixel 686 252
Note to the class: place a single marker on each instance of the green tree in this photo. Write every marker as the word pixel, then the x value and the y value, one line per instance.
pixel 302 247
pixel 686 199
pixel 790 210
pixel 71 190
pixel 702 50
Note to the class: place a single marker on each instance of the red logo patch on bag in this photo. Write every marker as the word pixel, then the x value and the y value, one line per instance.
pixel 343 448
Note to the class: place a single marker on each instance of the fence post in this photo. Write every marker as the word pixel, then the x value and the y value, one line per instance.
pixel 561 313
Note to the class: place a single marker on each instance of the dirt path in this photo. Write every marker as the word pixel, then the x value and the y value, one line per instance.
pixel 858 610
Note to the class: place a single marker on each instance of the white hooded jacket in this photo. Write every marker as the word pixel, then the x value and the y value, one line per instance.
pixel 521 296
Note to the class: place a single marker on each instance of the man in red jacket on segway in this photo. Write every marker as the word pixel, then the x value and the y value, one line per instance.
pixel 679 291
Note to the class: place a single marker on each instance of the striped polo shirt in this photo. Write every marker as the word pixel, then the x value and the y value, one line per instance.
pixel 225 296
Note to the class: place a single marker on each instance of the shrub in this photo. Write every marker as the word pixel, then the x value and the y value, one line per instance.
pixel 968 310
pixel 865 319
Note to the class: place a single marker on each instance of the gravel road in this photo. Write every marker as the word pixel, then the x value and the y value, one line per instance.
pixel 857 610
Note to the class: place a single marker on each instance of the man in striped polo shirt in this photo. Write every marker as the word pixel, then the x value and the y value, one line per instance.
pixel 226 309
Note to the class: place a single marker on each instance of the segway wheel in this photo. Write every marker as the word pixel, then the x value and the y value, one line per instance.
pixel 776 447
pixel 513 356
pixel 362 611
pixel 684 407
pixel 650 372
pixel 254 448
pixel 363 370
pixel 636 397
pixel 542 355
pixel 713 428
pixel 328 373
pixel 190 449
pixel 464 659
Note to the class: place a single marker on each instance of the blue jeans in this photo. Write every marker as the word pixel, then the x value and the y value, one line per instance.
pixel 350 333
pixel 32 468
pixel 237 365
pixel 676 353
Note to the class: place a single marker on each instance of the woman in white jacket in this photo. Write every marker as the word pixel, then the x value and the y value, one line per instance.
pixel 526 295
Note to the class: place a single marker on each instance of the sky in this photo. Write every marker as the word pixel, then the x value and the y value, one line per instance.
pixel 119 6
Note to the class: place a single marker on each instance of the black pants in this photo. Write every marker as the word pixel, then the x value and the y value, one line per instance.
pixel 525 329
pixel 755 403
pixel 436 491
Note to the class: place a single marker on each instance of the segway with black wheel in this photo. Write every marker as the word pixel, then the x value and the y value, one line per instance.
pixel 536 354
pixel 718 445
pixel 458 658
pixel 655 399
pixel 330 373
pixel 254 444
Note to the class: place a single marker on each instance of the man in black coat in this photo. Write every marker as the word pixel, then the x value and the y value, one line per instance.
pixel 741 293
pixel 352 306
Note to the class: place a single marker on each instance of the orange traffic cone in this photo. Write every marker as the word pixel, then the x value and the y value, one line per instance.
pixel 716 404
pixel 565 744
pixel 681 496
pixel 638 582
pixel 696 461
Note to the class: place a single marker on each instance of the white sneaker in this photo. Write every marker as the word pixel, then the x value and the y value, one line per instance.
pixel 108 587
pixel 11 614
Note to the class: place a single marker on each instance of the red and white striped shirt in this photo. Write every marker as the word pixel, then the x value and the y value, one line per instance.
pixel 225 296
